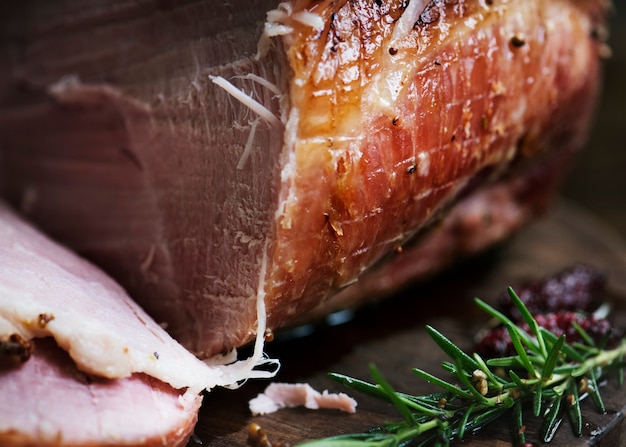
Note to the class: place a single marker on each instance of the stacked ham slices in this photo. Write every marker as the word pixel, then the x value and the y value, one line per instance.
pixel 243 166
pixel 74 347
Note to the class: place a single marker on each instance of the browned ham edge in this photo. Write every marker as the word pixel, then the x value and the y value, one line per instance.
pixel 202 206
pixel 481 220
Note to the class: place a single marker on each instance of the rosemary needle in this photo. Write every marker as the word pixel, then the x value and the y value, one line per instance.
pixel 546 371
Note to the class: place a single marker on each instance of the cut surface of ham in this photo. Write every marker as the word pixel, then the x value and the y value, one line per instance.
pixel 47 401
pixel 47 291
pixel 288 395
pixel 81 363
pixel 279 168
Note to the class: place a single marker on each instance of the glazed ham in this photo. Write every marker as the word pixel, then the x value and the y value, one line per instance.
pixel 80 362
pixel 236 168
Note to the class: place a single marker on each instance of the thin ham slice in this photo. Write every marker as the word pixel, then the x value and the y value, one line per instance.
pixel 80 362
pixel 48 402
pixel 289 395
pixel 47 291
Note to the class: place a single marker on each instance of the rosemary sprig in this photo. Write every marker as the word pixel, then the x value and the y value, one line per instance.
pixel 546 371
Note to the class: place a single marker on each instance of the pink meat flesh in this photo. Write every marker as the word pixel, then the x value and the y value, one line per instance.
pixel 46 401
pixel 289 395
pixel 46 290
pixel 80 362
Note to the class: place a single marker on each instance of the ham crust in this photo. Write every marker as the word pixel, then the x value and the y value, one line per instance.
pixel 484 219
pixel 385 132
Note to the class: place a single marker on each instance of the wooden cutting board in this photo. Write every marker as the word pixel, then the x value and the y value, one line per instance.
pixel 391 335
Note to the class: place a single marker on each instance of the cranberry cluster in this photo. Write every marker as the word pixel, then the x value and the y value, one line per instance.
pixel 577 288
pixel 556 302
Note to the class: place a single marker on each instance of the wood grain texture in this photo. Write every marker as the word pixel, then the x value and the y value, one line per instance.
pixel 391 334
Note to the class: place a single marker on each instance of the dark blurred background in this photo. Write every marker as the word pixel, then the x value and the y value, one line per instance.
pixel 598 181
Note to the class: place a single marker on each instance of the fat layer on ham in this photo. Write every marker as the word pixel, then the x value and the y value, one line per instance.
pixel 219 181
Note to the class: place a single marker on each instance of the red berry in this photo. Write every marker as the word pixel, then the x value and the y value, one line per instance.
pixel 577 288
pixel 497 342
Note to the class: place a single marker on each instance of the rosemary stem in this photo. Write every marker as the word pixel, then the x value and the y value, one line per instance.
pixel 601 359
pixel 424 410
pixel 545 370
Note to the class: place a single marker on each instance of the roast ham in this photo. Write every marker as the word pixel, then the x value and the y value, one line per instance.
pixel 80 362
pixel 236 165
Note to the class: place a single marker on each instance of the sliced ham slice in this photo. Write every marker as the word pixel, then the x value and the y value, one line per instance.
pixel 81 363
pixel 289 395
pixel 47 401
pixel 47 291
pixel 215 185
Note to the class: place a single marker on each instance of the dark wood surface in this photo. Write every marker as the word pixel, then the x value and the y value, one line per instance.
pixel 597 181
pixel 392 335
